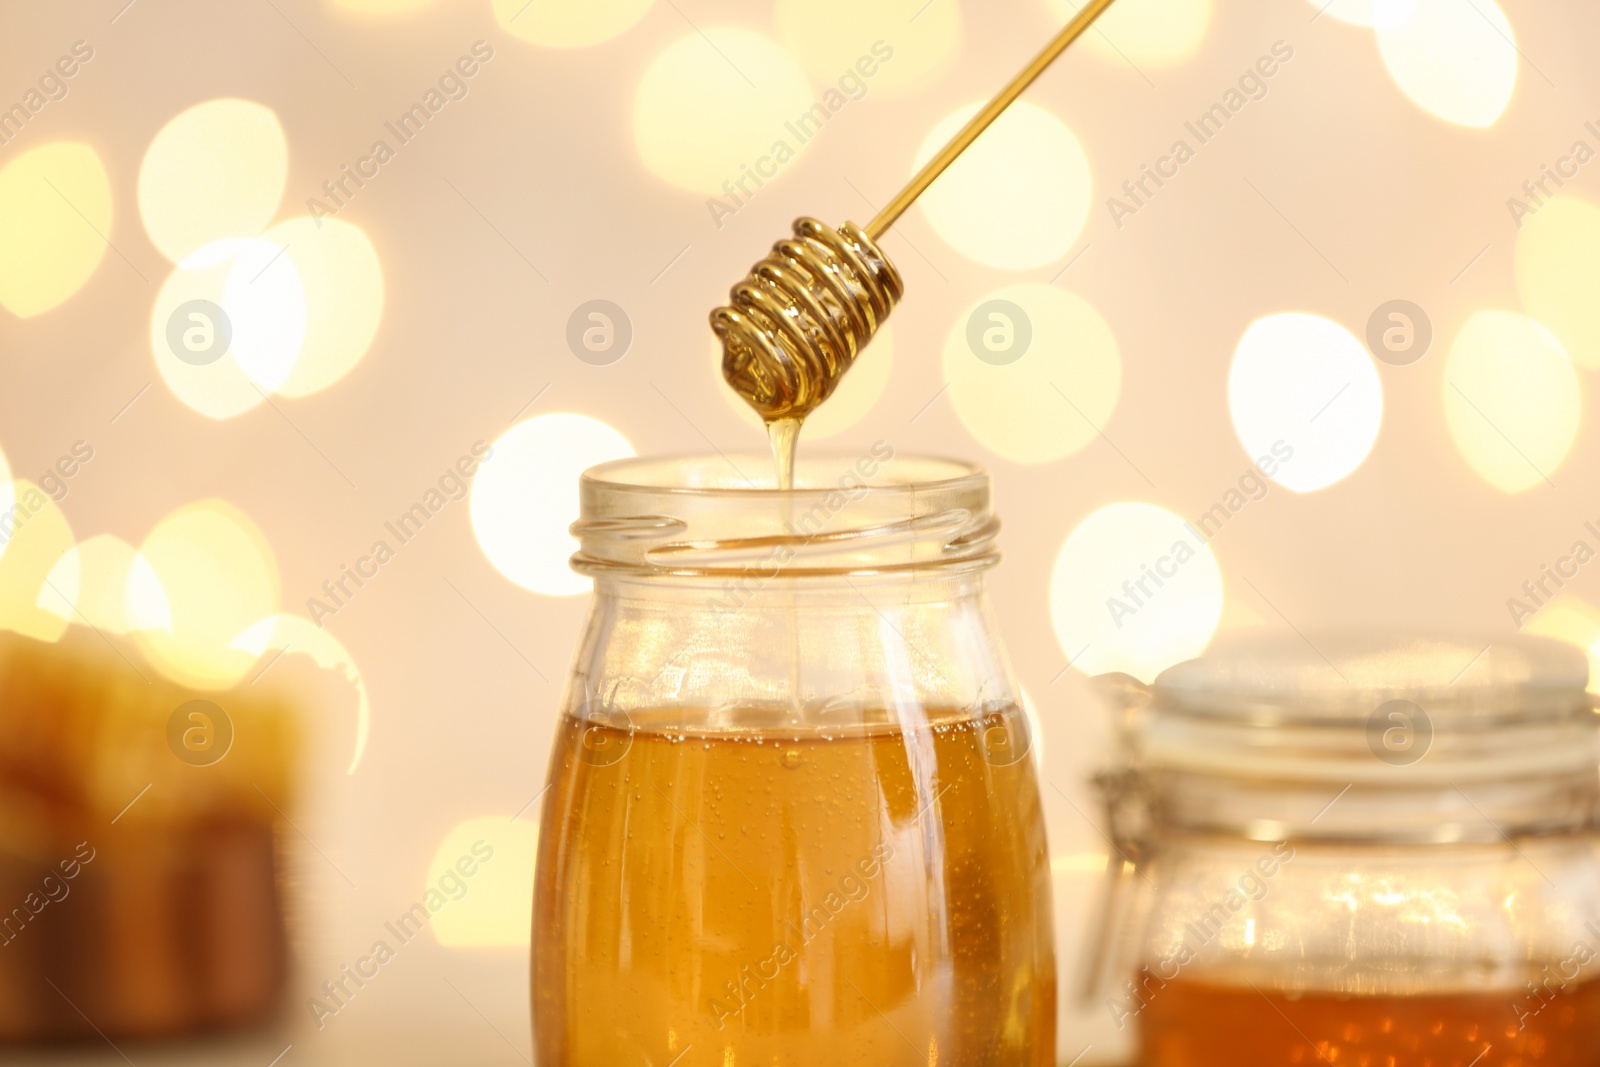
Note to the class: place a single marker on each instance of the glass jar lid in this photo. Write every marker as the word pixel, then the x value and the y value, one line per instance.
pixel 1370 735
pixel 1288 678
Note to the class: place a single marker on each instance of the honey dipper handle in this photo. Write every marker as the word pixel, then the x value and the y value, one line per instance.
pixel 980 122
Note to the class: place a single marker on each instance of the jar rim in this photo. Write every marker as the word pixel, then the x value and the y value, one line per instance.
pixel 720 516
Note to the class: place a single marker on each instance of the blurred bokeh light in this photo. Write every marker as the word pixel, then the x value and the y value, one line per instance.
pixel 1512 398
pixel 494 906
pixel 217 170
pixel 1033 372
pixel 218 575
pixel 1370 13
pixel 1134 589
pixel 1558 274
pixel 833 40
pixel 105 583
pixel 525 496
pixel 55 215
pixel 37 536
pixel 722 107
pixel 1146 33
pixel 568 23
pixel 1304 390
pixel 1018 198
pixel 228 325
pixel 342 285
pixel 1456 59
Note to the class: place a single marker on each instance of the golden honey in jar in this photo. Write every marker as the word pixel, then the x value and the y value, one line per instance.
pixel 1359 849
pixel 793 816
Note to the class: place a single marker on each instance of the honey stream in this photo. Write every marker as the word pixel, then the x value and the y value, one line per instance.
pixel 784 436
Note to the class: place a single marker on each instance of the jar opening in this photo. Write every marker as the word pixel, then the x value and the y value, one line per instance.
pixel 721 516
pixel 743 475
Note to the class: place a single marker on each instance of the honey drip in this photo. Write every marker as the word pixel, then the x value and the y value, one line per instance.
pixel 784 436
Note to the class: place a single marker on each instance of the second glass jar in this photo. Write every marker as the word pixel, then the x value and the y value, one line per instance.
pixel 1360 849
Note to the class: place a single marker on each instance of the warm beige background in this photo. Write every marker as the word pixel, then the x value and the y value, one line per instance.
pixel 1398 200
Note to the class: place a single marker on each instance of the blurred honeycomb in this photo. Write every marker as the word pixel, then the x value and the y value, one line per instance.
pixel 138 865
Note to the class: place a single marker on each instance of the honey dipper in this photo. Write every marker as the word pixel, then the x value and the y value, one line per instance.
pixel 803 314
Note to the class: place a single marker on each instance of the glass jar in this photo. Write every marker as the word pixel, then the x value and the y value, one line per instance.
pixel 1360 850
pixel 793 815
